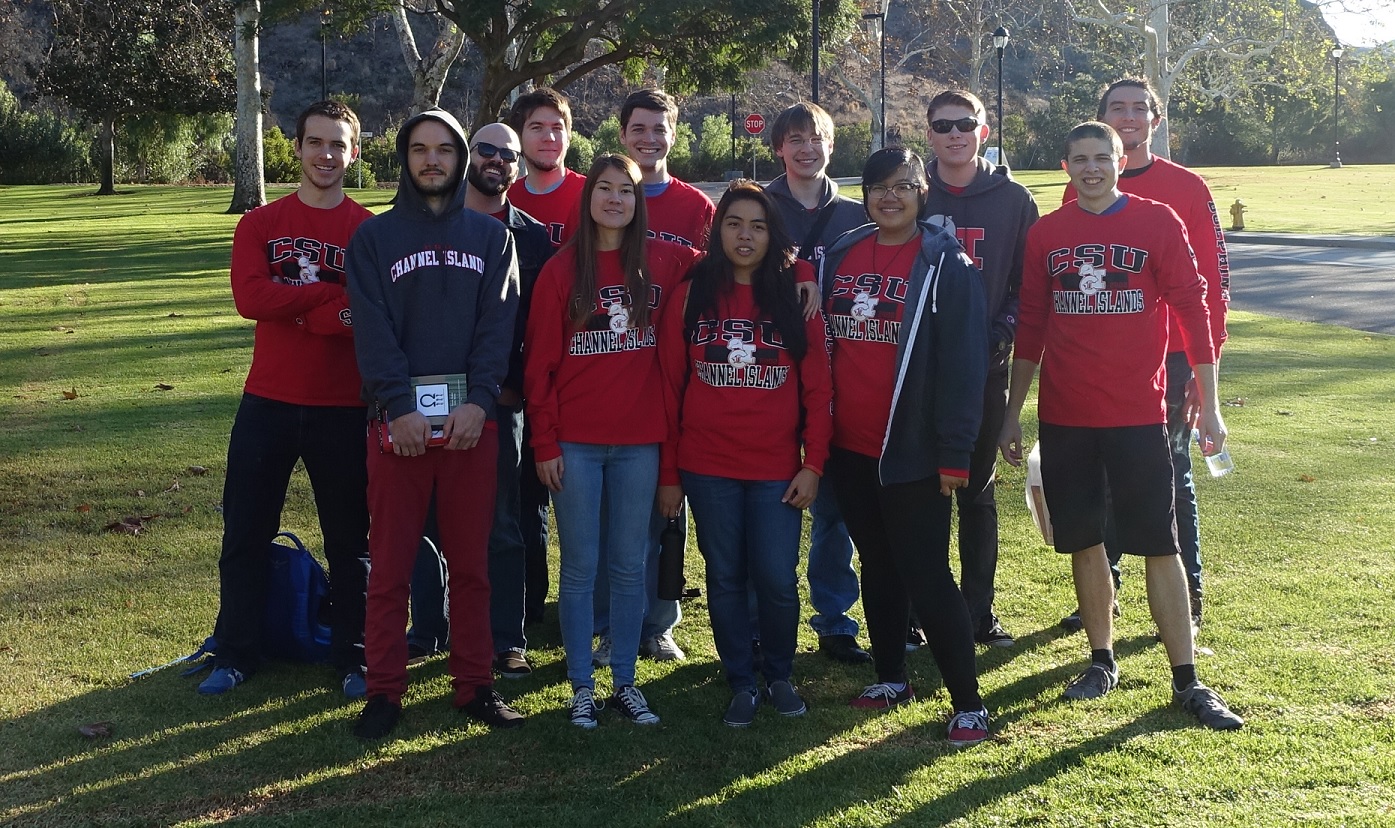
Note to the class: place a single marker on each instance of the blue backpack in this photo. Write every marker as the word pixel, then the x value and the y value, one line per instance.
pixel 297 596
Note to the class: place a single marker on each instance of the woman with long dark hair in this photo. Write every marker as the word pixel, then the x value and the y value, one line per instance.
pixel 749 384
pixel 596 402
pixel 909 346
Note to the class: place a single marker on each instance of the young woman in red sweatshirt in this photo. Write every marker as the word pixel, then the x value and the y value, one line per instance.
pixel 748 381
pixel 596 401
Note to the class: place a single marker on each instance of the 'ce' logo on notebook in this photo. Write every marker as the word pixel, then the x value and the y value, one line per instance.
pixel 429 400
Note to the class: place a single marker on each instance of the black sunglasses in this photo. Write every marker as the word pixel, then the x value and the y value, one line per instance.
pixel 488 150
pixel 944 125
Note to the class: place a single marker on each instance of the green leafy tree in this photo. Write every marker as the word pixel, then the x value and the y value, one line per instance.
pixel 113 60
pixel 700 45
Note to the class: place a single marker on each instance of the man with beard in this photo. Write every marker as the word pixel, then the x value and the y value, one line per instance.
pixel 434 292
pixel 493 166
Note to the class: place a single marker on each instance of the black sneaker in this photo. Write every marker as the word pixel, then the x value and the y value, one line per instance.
pixel 1072 622
pixel 512 664
pixel 785 699
pixel 843 648
pixel 1207 706
pixel 631 704
pixel 1097 680
pixel 489 707
pixel 742 710
pixel 378 718
pixel 991 633
pixel 915 637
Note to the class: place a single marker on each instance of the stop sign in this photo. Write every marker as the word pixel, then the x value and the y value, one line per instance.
pixel 755 123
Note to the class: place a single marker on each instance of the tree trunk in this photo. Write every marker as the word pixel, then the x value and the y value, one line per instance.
pixel 1159 66
pixel 106 148
pixel 249 185
pixel 429 73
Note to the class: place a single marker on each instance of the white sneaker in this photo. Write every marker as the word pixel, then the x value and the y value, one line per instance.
pixel 584 708
pixel 631 704
pixel 663 648
pixel 600 656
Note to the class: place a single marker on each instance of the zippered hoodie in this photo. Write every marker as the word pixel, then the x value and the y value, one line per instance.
pixel 941 358
pixel 990 218
pixel 432 294
pixel 799 220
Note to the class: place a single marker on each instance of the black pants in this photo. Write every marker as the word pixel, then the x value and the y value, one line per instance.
pixel 902 537
pixel 532 523
pixel 978 508
pixel 268 437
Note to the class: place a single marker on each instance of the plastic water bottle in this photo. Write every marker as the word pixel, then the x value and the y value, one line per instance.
pixel 1219 464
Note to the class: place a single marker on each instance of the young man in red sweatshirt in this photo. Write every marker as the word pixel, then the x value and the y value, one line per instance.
pixel 1130 106
pixel 1099 278
pixel 300 402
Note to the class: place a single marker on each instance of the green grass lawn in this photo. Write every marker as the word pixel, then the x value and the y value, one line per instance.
pixel 111 298
pixel 1353 200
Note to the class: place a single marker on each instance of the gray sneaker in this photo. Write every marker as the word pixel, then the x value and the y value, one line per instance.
pixel 1207 706
pixel 1096 681
pixel 662 648
pixel 785 699
pixel 742 710
pixel 600 657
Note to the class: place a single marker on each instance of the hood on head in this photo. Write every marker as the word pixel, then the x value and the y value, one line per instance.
pixel 407 194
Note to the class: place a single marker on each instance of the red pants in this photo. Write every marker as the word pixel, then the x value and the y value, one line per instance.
pixel 399 492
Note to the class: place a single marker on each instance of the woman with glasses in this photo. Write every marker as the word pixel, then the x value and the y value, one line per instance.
pixel 909 359
pixel 596 401
pixel 749 384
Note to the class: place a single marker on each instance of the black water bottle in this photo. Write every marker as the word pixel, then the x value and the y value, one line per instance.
pixel 671 542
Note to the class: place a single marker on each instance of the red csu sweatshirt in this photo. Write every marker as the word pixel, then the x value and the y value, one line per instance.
pixel 288 276
pixel 600 384
pixel 1189 197
pixel 1093 313
pixel 559 209
pixel 864 310
pixel 745 407
pixel 681 213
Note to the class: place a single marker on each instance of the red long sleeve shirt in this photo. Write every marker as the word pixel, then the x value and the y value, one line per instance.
pixel 288 276
pixel 559 209
pixel 745 406
pixel 1096 290
pixel 1189 197
pixel 600 384
pixel 681 213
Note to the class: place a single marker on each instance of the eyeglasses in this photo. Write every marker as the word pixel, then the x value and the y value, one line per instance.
pixel 944 125
pixel 900 189
pixel 488 150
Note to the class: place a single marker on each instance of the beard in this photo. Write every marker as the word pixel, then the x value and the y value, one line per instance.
pixel 475 175
pixel 541 166
pixel 444 186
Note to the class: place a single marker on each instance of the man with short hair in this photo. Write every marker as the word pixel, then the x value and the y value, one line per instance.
pixel 1130 106
pixel 815 214
pixel 549 192
pixel 989 213
pixel 1099 277
pixel 678 211
pixel 434 289
pixel 493 166
pixel 300 402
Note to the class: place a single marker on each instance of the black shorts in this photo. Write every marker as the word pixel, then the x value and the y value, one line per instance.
pixel 1086 470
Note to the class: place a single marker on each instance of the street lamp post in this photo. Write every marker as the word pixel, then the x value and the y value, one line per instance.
pixel 1337 106
pixel 1000 41
pixel 324 73
pixel 880 17
pixel 817 45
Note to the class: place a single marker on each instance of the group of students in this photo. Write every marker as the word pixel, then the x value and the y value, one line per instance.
pixel 617 341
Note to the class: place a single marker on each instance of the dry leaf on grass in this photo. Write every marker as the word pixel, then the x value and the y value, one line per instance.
pixel 71 395
pixel 197 470
pixel 1238 402
pixel 130 525
pixel 1282 413
pixel 174 316
pixel 174 487
pixel 95 730
pixel 1306 478
pixel 160 386
pixel 140 492
pixel 83 507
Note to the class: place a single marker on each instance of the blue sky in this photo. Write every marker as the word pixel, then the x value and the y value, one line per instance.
pixel 1363 28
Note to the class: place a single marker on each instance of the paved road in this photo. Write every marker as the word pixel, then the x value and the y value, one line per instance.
pixel 1351 287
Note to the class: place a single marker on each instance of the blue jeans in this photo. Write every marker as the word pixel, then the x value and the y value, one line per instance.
pixel 748 538
pixel 660 616
pixel 1179 439
pixel 430 629
pixel 268 437
pixel 624 479
pixel 832 580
